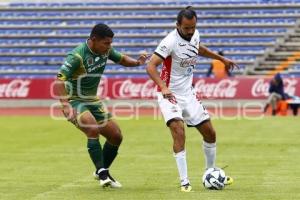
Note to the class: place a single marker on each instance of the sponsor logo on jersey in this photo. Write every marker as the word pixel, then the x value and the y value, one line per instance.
pixel 188 62
pixel 94 68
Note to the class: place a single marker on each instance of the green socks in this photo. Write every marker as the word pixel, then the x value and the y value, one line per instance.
pixel 109 154
pixel 95 151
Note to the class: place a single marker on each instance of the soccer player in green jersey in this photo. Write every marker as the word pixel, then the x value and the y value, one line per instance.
pixel 76 86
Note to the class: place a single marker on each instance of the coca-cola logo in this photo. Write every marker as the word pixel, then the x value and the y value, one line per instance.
pixel 15 88
pixel 290 86
pixel 260 88
pixel 188 62
pixel 225 88
pixel 129 89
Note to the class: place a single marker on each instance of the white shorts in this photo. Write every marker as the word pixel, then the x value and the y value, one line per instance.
pixel 187 108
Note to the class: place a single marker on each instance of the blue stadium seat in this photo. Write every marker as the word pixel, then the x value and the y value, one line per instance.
pixel 210 17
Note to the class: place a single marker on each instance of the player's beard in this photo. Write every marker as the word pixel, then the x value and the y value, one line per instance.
pixel 187 37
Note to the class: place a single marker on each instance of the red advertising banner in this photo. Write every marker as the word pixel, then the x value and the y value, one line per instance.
pixel 143 88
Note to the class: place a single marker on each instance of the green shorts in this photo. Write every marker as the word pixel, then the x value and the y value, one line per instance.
pixel 96 108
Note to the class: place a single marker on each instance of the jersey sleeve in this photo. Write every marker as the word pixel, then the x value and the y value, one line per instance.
pixel 67 69
pixel 114 55
pixel 164 49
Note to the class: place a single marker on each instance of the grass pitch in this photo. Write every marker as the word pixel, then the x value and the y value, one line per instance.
pixel 43 159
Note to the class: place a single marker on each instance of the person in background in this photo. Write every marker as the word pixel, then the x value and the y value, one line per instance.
pixel 276 91
pixel 218 68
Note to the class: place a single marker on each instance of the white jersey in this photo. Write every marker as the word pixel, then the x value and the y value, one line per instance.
pixel 180 57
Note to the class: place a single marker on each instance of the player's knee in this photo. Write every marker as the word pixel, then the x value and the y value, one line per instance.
pixel 179 131
pixel 117 139
pixel 179 136
pixel 92 132
pixel 211 136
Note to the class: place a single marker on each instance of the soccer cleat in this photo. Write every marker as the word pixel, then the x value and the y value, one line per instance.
pixel 104 180
pixel 186 188
pixel 228 180
pixel 112 183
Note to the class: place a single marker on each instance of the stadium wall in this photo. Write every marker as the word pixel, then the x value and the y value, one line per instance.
pixel 231 92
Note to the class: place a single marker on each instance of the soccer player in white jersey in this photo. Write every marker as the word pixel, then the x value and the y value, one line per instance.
pixel 178 52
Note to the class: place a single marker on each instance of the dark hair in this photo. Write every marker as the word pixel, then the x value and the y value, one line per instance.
pixel 187 12
pixel 101 31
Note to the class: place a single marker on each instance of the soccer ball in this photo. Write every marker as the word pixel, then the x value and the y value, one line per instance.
pixel 213 178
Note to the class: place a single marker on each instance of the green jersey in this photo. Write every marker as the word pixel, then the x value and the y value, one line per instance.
pixel 82 71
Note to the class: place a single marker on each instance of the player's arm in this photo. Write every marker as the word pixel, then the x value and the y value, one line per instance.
pixel 163 50
pixel 65 73
pixel 128 61
pixel 125 60
pixel 59 90
pixel 152 71
pixel 205 52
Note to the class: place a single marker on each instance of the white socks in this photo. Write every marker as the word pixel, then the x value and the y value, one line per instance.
pixel 210 154
pixel 182 166
pixel 180 157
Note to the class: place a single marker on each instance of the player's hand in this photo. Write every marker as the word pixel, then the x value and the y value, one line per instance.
pixel 142 59
pixel 167 94
pixel 69 113
pixel 229 64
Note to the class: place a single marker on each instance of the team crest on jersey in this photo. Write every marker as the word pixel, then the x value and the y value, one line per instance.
pixel 90 61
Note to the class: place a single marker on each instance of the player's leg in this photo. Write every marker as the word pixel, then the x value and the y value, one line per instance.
pixel 111 131
pixel 173 117
pixel 176 127
pixel 195 115
pixel 209 146
pixel 209 142
pixel 87 123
